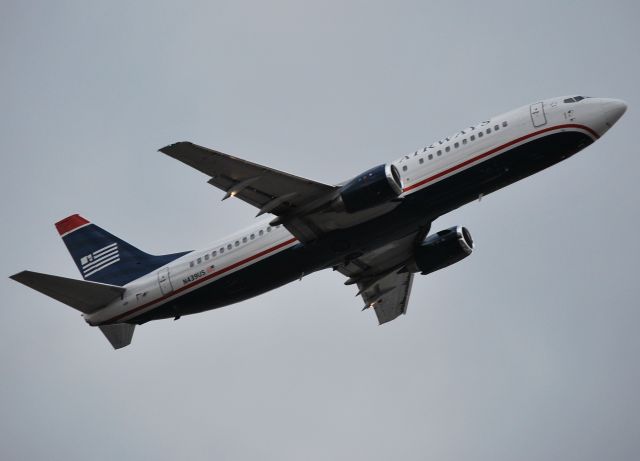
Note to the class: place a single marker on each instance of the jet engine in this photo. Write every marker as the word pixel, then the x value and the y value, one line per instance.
pixel 374 187
pixel 442 249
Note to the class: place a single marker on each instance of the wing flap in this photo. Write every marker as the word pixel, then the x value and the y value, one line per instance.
pixel 388 296
pixel 382 279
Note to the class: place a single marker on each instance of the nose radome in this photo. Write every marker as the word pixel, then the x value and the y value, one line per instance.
pixel 613 109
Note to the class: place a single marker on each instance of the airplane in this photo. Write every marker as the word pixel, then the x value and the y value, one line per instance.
pixel 373 229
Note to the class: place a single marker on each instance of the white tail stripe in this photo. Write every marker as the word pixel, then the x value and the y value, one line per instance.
pixel 101 263
pixel 109 263
pixel 97 261
pixel 73 230
pixel 102 250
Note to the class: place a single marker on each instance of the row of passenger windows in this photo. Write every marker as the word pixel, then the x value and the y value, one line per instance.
pixel 456 145
pixel 230 246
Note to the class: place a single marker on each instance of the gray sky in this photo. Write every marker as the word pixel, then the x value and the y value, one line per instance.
pixel 527 350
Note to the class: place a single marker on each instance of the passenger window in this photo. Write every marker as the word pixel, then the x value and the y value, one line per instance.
pixel 431 155
pixel 456 145
pixel 464 141
pixel 473 137
pixel 252 236
pixel 504 124
pixel 261 232
pixel 191 264
pixel 206 257
pixel 488 130
pixel 269 229
pixel 213 255
pixel 404 168
pixel 244 239
pixel 421 161
pixel 447 149
pixel 237 243
pixel 229 247
pixel 199 260
pixel 480 134
pixel 496 128
pixel 221 250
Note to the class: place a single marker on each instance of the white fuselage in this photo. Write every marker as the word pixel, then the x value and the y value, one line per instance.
pixel 420 169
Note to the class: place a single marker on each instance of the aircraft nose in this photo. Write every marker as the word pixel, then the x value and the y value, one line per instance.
pixel 613 109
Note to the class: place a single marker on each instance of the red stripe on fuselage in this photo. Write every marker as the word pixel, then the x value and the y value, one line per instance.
pixel 496 149
pixel 203 279
pixel 283 244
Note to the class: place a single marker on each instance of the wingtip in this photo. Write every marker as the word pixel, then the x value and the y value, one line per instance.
pixel 170 147
pixel 23 277
pixel 17 276
pixel 166 149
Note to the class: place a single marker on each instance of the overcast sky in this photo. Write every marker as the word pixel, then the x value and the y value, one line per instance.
pixel 527 350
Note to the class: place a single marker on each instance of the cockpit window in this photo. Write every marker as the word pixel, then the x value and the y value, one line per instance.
pixel 575 99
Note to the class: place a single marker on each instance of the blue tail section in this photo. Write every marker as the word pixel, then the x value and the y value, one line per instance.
pixel 103 257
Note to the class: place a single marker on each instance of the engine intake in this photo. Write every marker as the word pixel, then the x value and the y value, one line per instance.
pixel 374 187
pixel 442 249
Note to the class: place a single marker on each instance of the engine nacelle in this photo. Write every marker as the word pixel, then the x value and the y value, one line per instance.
pixel 374 187
pixel 442 249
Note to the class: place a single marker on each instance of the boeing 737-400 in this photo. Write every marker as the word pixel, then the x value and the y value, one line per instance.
pixel 373 228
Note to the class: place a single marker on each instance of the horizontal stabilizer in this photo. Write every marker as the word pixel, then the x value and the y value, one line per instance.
pixel 87 297
pixel 118 334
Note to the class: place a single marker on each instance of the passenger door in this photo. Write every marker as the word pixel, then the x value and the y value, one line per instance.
pixel 538 117
pixel 164 281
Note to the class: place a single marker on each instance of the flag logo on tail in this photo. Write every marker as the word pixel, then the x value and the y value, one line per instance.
pixel 99 259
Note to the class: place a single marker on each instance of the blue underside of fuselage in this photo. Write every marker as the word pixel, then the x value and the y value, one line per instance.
pixel 417 210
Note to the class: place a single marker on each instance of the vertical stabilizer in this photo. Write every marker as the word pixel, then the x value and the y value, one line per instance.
pixel 103 257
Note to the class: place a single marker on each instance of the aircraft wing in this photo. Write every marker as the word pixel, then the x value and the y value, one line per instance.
pixel 269 190
pixel 308 209
pixel 389 296
pixel 381 276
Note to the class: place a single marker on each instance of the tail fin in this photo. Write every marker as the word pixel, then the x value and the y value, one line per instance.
pixel 104 258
